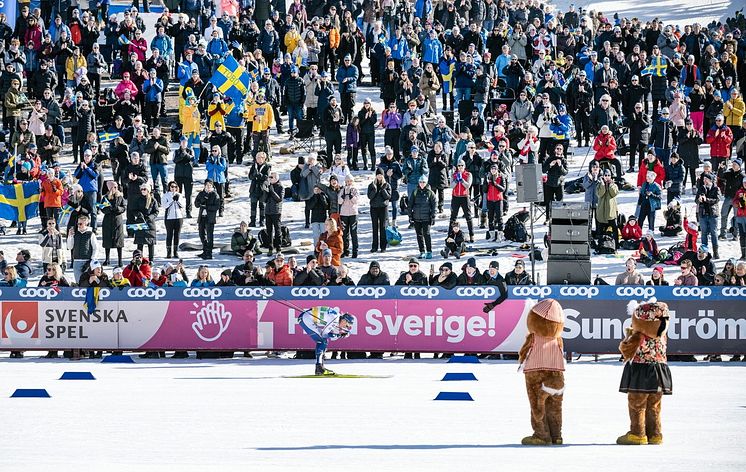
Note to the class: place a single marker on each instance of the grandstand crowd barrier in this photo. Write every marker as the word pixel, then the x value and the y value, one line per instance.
pixel 395 318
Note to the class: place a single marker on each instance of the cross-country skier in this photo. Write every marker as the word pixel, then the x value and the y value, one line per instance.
pixel 322 324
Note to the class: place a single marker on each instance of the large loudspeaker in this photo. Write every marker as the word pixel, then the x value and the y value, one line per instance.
pixel 529 188
pixel 573 272
pixel 569 244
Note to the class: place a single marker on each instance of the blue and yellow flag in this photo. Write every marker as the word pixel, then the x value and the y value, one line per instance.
pixel 657 67
pixel 91 299
pixel 231 79
pixel 107 136
pixel 137 226
pixel 19 202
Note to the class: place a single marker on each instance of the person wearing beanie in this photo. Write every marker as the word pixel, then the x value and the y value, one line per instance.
pixel 310 275
pixel 422 213
pixel 413 276
pixel 656 277
pixel 374 276
pixel 470 274
pixel 541 359
pixel 720 138
pixel 445 277
pixel 492 277
pixel 379 195
pixel 688 148
pixel 649 200
pixel 730 181
pixel 707 200
pixel 646 376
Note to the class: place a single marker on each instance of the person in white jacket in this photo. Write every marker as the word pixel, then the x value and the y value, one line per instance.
pixel 174 203
pixel 348 210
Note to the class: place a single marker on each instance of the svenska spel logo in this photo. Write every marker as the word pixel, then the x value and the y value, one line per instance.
pixel 20 320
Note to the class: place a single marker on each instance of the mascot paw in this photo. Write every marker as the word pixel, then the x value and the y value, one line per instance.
pixel 534 441
pixel 630 439
pixel 657 439
pixel 557 441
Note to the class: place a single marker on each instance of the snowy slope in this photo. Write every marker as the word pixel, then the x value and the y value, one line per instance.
pixel 242 415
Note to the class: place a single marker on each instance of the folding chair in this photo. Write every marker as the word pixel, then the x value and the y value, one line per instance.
pixel 305 138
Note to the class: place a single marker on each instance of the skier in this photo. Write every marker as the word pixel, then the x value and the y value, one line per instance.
pixel 322 324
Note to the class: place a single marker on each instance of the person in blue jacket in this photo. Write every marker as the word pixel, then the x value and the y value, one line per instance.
pixel 324 324
pixel 153 90
pixel 87 175
pixel 216 166
pixel 649 200
pixel 399 48
pixel 432 49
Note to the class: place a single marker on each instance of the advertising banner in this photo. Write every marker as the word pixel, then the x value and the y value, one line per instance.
pixel 428 319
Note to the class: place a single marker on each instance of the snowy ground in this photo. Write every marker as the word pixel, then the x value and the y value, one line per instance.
pixel 394 260
pixel 239 413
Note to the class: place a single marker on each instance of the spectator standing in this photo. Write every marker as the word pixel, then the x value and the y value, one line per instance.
pixel 112 235
pixel 379 195
pixel 460 183
pixel 83 245
pixel 606 211
pixel 708 199
pixel 183 172
pixel 310 176
pixel 174 204
pixel 649 201
pixel 273 212
pixel 208 203
pixel 422 216
pixel 348 210
pixel 259 178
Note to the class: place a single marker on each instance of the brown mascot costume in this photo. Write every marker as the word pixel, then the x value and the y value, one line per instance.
pixel 543 365
pixel 646 376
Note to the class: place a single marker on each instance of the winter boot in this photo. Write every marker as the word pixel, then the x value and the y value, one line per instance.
pixel 428 255
pixel 534 441
pixel 482 220
pixel 422 255
pixel 721 236
pixel 488 236
pixel 715 254
pixel 630 439
pixel 168 252
pixel 176 253
pixel 444 253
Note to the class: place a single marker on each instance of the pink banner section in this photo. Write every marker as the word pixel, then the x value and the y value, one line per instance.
pixel 403 325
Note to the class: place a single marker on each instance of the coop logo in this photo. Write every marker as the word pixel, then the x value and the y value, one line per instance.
pixel 212 320
pixel 529 291
pixel 310 292
pixel 254 292
pixel 203 292
pixel 142 292
pixel 375 292
pixel 484 292
pixel 588 292
pixel 428 292
pixel 82 292
pixel 646 292
pixel 20 320
pixel 698 292
pixel 38 293
pixel 734 291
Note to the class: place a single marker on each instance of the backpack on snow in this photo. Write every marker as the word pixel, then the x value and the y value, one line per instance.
pixel 515 227
pixel 606 245
pixel 393 236
pixel 404 205
pixel 285 240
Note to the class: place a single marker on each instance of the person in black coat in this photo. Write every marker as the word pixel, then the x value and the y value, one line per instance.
pixel 689 141
pixel 422 215
pixel 470 274
pixel 183 172
pixel 379 195
pixel 438 179
pixel 259 177
pixel 492 277
pixel 555 168
pixel 208 204
pixel 374 276
pixel 145 209
pixel 413 276
pixel 273 211
pixel 311 275
pixel 112 228
pixel 445 277
pixel 638 123
pixel 86 124
pixel 368 121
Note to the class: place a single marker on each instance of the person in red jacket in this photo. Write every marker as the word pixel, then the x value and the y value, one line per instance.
pixel 605 146
pixel 631 233
pixel 651 163
pixel 719 138
pixel 138 272
pixel 692 235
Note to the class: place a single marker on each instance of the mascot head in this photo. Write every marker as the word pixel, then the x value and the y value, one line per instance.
pixel 546 319
pixel 649 318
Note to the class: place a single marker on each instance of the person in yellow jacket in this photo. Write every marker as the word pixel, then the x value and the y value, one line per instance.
pixel 262 118
pixel 733 110
pixel 72 65
pixel 292 38
pixel 190 119
pixel 217 110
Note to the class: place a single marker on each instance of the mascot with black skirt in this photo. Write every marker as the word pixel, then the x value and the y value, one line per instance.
pixel 646 377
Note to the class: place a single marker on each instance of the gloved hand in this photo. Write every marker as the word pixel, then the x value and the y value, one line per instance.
pixel 488 307
pixel 176 197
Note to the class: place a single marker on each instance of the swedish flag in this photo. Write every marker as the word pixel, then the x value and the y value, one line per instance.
pixel 107 136
pixel 231 79
pixel 657 67
pixel 19 202
pixel 91 299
